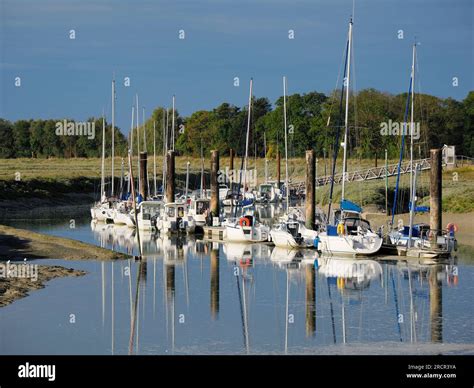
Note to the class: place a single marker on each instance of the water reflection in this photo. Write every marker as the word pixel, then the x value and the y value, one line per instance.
pixel 340 286
pixel 193 296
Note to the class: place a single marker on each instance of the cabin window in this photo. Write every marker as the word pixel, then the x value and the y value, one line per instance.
pixel 170 212
pixel 201 207
pixel 181 211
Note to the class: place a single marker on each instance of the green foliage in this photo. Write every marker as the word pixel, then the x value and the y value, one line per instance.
pixel 313 120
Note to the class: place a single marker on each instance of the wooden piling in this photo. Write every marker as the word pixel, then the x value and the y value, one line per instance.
pixel 214 183
pixel 214 283
pixel 170 176
pixel 310 193
pixel 170 281
pixel 436 304
pixel 142 187
pixel 278 168
pixel 231 165
pixel 436 193
pixel 310 300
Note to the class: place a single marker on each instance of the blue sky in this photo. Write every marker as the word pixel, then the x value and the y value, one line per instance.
pixel 61 77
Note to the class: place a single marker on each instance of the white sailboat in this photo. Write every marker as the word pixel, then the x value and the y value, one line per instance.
pixel 291 231
pixel 352 235
pixel 103 209
pixel 246 228
pixel 414 239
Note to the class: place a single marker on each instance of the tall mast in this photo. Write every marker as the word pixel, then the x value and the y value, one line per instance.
pixel 172 126
pixel 412 127
pixel 131 144
pixel 265 152
pixel 154 155
pixel 346 117
pixel 113 136
pixel 412 124
pixel 287 189
pixel 163 183
pixel 102 178
pixel 247 137
pixel 138 141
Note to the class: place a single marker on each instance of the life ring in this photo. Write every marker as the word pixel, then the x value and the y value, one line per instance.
pixel 244 221
pixel 452 227
pixel 340 229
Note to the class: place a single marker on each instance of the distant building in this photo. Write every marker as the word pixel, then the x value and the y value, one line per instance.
pixel 449 156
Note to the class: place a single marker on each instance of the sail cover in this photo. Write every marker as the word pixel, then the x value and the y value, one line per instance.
pixel 350 206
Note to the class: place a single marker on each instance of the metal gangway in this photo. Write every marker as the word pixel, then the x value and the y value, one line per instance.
pixel 379 172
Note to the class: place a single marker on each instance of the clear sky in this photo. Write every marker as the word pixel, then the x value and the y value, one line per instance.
pixel 61 77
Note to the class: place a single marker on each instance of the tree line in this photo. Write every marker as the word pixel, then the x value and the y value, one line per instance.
pixel 313 121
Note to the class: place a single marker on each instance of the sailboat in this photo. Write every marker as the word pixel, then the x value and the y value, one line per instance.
pixel 246 228
pixel 103 209
pixel 414 239
pixel 291 230
pixel 349 233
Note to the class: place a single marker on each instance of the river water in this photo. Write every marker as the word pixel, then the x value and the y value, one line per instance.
pixel 195 297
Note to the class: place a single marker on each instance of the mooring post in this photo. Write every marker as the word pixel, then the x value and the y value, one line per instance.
pixel 143 175
pixel 170 176
pixel 215 282
pixel 310 300
pixel 310 193
pixel 436 304
pixel 436 181
pixel 231 166
pixel 278 168
pixel 214 183
pixel 170 281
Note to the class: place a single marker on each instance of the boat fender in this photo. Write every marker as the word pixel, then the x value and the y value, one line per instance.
pixel 316 242
pixel 451 227
pixel 244 221
pixel 340 229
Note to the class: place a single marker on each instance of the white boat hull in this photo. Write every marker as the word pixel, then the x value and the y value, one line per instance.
pixel 349 244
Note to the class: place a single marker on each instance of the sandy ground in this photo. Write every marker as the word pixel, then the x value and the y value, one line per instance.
pixel 12 289
pixel 19 244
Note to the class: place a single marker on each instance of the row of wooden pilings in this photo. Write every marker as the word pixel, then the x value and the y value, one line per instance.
pixel 435 184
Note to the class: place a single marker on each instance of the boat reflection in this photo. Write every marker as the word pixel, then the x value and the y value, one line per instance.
pixel 323 300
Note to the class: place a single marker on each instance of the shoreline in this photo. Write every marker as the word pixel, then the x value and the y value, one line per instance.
pixel 13 289
pixel 17 244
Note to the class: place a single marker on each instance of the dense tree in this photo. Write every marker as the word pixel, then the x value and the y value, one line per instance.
pixel 313 120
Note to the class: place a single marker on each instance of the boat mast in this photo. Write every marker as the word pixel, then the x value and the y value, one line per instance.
pixel 287 189
pixel 412 127
pixel 412 124
pixel 154 155
pixel 113 136
pixel 102 178
pixel 412 205
pixel 346 117
pixel 131 144
pixel 165 148
pixel 265 152
pixel 138 141
pixel 247 138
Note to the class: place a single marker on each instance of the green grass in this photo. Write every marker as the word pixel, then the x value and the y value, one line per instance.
pixel 41 177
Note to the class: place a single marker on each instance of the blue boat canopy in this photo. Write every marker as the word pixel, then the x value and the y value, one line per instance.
pixel 350 206
pixel 420 209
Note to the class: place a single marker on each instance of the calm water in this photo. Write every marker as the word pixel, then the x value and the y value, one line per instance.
pixel 191 296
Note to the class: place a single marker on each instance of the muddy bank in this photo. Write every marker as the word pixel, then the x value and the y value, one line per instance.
pixel 17 244
pixel 67 205
pixel 12 289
